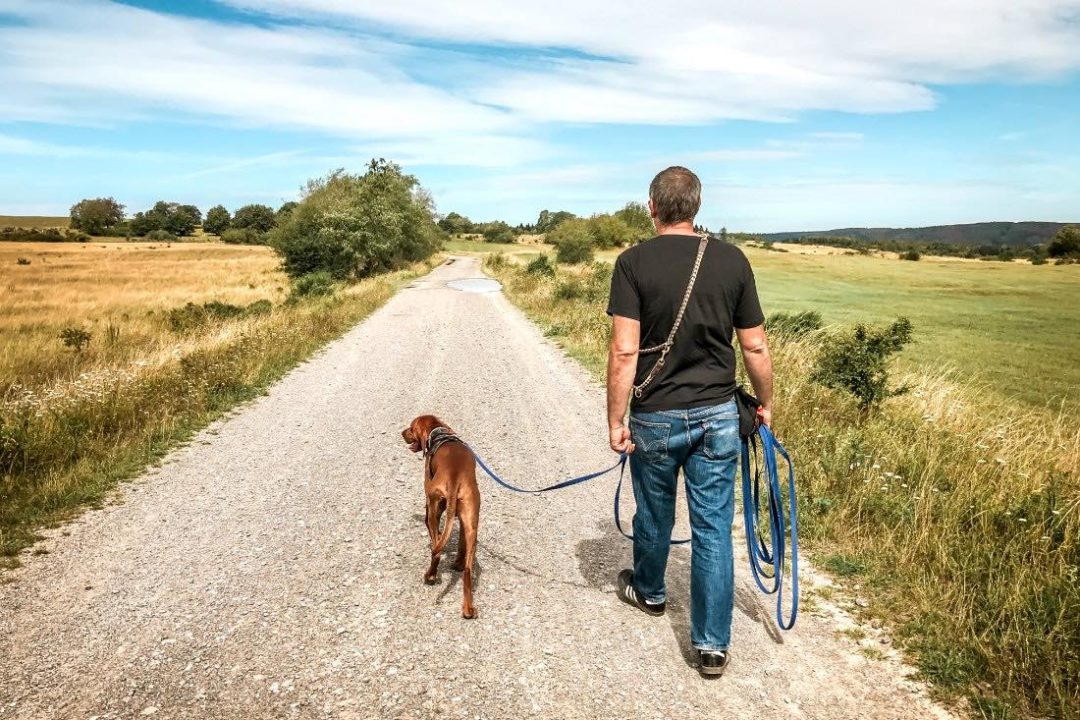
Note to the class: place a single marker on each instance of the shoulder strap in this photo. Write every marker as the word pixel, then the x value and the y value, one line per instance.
pixel 665 347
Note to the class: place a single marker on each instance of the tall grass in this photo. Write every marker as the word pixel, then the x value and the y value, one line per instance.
pixel 73 424
pixel 958 513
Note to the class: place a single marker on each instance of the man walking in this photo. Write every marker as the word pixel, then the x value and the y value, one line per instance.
pixel 683 415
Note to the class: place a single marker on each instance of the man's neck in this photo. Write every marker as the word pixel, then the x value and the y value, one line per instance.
pixel 683 228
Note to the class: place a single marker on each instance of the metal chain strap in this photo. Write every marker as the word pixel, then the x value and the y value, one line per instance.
pixel 665 347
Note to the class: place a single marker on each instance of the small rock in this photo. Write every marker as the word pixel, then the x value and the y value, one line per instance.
pixel 862 602
pixel 149 711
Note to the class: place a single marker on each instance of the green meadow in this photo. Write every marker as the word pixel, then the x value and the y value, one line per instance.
pixel 1013 327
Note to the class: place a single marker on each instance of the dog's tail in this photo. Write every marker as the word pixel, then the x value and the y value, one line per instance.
pixel 448 524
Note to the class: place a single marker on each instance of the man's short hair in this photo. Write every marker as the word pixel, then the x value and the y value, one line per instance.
pixel 676 195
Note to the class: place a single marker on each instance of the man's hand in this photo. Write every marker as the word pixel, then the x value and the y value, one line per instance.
pixel 764 416
pixel 619 439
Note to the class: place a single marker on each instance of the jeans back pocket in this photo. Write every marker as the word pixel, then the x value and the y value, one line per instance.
pixel 650 438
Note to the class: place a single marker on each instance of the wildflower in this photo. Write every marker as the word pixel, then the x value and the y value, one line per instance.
pixel 876 467
pixel 999 461
pixel 1022 519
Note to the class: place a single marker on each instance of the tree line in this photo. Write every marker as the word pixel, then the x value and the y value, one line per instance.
pixel 171 220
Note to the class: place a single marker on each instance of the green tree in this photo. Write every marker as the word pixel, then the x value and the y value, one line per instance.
pixel 182 219
pixel 548 220
pixel 285 211
pixel 498 232
pixel 1065 243
pixel 259 218
pixel 608 231
pixel 636 217
pixel 96 216
pixel 353 226
pixel 457 224
pixel 217 220
pixel 573 241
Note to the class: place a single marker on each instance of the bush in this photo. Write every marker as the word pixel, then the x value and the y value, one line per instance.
pixel 794 325
pixel 75 338
pixel 355 226
pixel 161 236
pixel 243 236
pixel 48 235
pixel 22 261
pixel 173 217
pixel 541 266
pixel 217 220
pixel 912 255
pixel 496 261
pixel 608 231
pixel 193 316
pixel 316 284
pixel 499 232
pixel 636 217
pixel 573 241
pixel 856 362
pixel 1066 243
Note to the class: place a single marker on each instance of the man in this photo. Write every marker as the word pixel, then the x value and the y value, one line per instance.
pixel 685 417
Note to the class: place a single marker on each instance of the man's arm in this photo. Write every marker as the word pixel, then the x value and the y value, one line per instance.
pixel 621 367
pixel 755 353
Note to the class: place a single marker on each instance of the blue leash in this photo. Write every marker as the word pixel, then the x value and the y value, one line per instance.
pixel 761 553
pixel 772 554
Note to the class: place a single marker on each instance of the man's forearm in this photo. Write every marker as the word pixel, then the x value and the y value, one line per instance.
pixel 759 367
pixel 620 374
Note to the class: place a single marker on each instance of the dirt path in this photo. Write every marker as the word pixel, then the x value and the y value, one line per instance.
pixel 273 567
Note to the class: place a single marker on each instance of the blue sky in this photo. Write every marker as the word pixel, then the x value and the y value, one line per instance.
pixel 796 115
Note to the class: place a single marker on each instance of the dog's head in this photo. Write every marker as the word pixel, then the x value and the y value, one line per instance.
pixel 416 435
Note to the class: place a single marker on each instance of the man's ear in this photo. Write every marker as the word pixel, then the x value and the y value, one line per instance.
pixel 652 209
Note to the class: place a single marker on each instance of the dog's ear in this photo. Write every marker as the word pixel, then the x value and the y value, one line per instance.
pixel 420 432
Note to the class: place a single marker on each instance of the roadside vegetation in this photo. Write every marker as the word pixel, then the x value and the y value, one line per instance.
pixel 111 353
pixel 951 512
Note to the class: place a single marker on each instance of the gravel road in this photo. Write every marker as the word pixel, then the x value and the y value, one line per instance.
pixel 272 568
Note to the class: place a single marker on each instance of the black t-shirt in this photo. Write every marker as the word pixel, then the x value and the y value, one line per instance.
pixel 648 285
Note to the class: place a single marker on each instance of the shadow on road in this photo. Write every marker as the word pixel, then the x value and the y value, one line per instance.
pixel 600 560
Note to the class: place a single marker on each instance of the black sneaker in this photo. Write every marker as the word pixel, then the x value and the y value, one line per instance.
pixel 628 595
pixel 713 662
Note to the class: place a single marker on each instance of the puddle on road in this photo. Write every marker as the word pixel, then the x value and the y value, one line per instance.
pixel 475 285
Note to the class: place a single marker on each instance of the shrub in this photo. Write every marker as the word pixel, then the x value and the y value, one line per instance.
pixel 75 338
pixel 499 232
pixel 855 362
pixel 636 217
pixel 794 325
pixel 161 236
pixel 1066 243
pixel 259 307
pixel 260 218
pixel 315 284
pixel 11 234
pixel 548 221
pixel 217 220
pixel 573 241
pixel 192 316
pixel 173 217
pixel 22 261
pixel 355 226
pixel 912 255
pixel 541 266
pixel 243 236
pixel 496 261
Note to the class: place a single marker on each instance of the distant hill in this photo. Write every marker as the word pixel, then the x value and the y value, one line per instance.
pixel 33 222
pixel 1014 234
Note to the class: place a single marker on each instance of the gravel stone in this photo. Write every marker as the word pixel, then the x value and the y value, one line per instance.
pixel 282 554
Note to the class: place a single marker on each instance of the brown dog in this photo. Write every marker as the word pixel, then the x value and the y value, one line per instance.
pixel 450 485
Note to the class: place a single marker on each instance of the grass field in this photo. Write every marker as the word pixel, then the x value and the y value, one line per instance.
pixel 954 512
pixel 73 422
pixel 29 222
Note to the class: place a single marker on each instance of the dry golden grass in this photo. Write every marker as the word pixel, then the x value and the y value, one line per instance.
pixel 73 422
pixel 123 286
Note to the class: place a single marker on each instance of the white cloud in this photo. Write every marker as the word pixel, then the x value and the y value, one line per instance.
pixel 66 55
pixel 693 61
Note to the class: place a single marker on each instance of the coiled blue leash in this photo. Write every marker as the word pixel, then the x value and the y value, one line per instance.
pixel 761 554
pixel 781 524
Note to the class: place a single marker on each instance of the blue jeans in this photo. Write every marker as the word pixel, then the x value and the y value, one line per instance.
pixel 704 443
